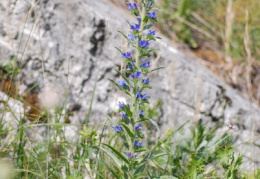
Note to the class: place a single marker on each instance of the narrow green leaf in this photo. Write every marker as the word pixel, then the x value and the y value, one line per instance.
pixel 159 155
pixel 116 160
pixel 171 135
pixel 123 34
pixel 109 168
pixel 119 50
pixel 143 163
pixel 128 131
pixel 155 124
pixel 158 68
pixel 148 26
pixel 111 120
pixel 118 153
pixel 122 76
pixel 128 111
pixel 142 120
pixel 146 19
pixel 120 87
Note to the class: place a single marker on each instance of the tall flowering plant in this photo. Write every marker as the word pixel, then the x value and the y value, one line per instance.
pixel 132 161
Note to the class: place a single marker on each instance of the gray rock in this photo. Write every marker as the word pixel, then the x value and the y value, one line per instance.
pixel 71 45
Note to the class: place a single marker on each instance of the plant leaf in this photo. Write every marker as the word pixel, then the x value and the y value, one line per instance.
pixel 128 131
pixel 109 168
pixel 116 160
pixel 118 153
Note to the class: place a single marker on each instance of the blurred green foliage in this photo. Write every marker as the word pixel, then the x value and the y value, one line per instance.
pixel 213 13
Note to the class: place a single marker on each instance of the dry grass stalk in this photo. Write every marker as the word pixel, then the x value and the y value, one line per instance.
pixel 228 30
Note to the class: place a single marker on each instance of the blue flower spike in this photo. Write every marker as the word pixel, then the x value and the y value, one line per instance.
pixel 150 32
pixel 118 128
pixel 138 95
pixel 146 65
pixel 141 114
pixel 132 6
pixel 144 97
pixel 138 127
pixel 130 65
pixel 137 144
pixel 137 75
pixel 127 55
pixel 121 105
pixel 143 43
pixel 135 27
pixel 131 37
pixel 149 3
pixel 152 15
pixel 124 116
pixel 122 83
pixel 146 81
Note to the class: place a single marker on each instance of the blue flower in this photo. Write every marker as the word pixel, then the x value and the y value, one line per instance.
pixel 141 114
pixel 146 82
pixel 121 105
pixel 137 75
pixel 131 37
pixel 149 3
pixel 138 95
pixel 132 6
pixel 152 15
pixel 143 43
pixel 137 144
pixel 135 27
pixel 138 127
pixel 124 116
pixel 118 129
pixel 122 83
pixel 150 32
pixel 127 55
pixel 131 65
pixel 144 97
pixel 139 19
pixel 146 65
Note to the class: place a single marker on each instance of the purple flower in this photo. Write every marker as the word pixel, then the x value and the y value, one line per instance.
pixel 143 43
pixel 146 65
pixel 146 82
pixel 141 114
pixel 122 83
pixel 131 37
pixel 139 19
pixel 121 105
pixel 150 32
pixel 135 27
pixel 127 55
pixel 144 97
pixel 152 15
pixel 138 127
pixel 118 129
pixel 138 95
pixel 129 155
pixel 132 6
pixel 231 127
pixel 149 3
pixel 124 116
pixel 137 75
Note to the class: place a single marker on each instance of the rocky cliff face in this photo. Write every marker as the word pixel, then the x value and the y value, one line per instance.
pixel 67 46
